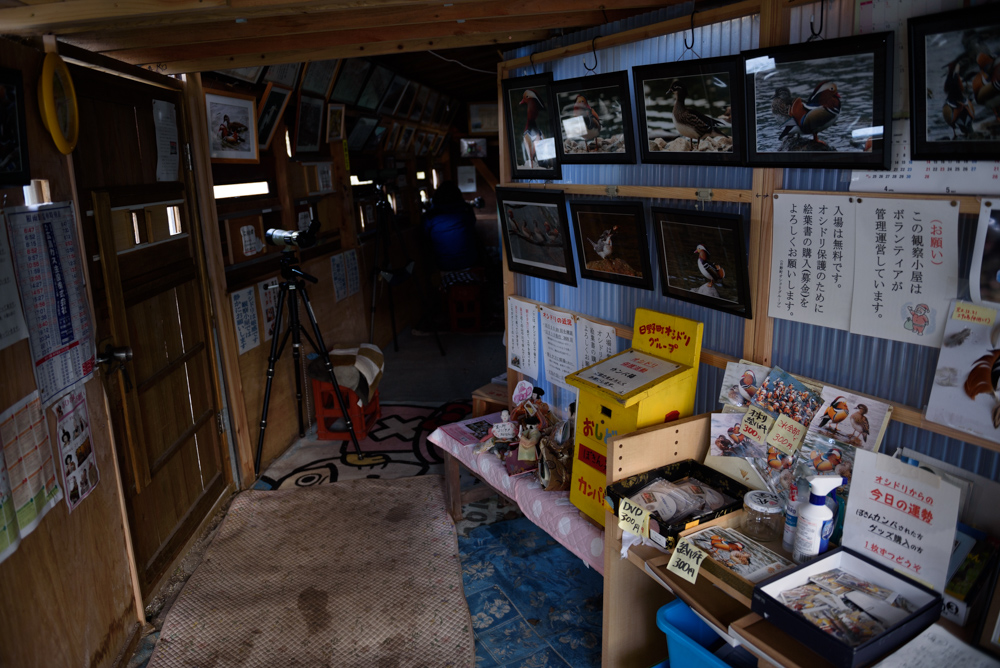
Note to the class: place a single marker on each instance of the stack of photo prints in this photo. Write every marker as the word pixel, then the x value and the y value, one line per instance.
pixel 745 557
pixel 687 498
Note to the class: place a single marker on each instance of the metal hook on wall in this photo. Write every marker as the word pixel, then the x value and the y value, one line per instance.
pixel 531 59
pixel 593 48
pixel 689 47
pixel 818 34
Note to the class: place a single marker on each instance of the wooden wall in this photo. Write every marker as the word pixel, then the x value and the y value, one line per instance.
pixel 67 594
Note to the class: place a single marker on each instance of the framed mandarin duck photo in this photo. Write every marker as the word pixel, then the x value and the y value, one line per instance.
pixel 536 234
pixel 595 119
pixel 232 127
pixel 821 104
pixel 532 121
pixel 955 85
pixel 691 112
pixel 611 242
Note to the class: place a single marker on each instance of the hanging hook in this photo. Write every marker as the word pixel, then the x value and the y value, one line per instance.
pixel 689 47
pixel 593 48
pixel 531 59
pixel 817 34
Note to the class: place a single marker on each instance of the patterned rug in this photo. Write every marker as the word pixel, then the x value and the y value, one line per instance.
pixel 533 603
pixel 396 447
pixel 304 578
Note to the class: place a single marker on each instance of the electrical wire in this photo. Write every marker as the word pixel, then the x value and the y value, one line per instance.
pixel 458 62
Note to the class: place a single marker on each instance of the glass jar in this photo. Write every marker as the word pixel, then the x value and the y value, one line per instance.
pixel 762 516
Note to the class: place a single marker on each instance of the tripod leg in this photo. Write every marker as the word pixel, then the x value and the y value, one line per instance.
pixel 325 354
pixel 275 353
pixel 392 317
pixel 295 328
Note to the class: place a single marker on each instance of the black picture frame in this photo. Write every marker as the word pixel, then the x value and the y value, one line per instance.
pixel 848 79
pixel 271 109
pixel 713 102
pixel 375 88
pixel 604 113
pixel 539 112
pixel 626 260
pixel 350 80
pixel 957 90
pixel 532 248
pixel 15 170
pixel 679 234
pixel 392 94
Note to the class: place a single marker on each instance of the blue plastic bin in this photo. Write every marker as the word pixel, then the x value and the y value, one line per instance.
pixel 688 637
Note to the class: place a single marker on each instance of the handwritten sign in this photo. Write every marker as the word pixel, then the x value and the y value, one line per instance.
pixel 755 425
pixel 558 345
pixel 786 434
pixel 594 342
pixel 686 561
pixel 633 518
pixel 977 315
pixel 522 337
pixel 628 372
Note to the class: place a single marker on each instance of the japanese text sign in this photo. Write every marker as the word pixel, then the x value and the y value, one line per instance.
pixel 786 434
pixel 755 425
pixel 633 518
pixel 686 560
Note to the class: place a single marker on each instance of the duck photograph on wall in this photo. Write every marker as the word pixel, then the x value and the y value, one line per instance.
pixel 536 233
pixel 691 112
pixel 232 126
pixel 821 104
pixel 532 127
pixel 955 85
pixel 309 124
pixel 611 242
pixel 703 259
pixel 595 119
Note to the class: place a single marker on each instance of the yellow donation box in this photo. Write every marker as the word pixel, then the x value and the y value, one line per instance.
pixel 652 382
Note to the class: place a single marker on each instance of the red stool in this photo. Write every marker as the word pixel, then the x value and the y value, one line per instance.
pixel 463 307
pixel 328 412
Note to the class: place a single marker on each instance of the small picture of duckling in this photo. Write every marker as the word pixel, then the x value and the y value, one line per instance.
pixel 611 242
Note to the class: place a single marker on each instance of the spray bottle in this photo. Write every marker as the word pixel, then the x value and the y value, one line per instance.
pixel 812 515
pixel 791 517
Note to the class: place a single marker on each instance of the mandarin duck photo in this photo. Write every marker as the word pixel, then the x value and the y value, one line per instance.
pixel 781 104
pixel 985 377
pixel 690 123
pixel 591 121
pixel 713 272
pixel 812 116
pixel 532 133
pixel 826 462
pixel 748 385
pixel 835 413
pixel 957 110
pixel 859 423
pixel 986 84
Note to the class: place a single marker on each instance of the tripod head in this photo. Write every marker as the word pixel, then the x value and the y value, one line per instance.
pixel 290 270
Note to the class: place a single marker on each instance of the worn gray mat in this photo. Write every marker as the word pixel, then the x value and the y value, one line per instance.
pixel 358 574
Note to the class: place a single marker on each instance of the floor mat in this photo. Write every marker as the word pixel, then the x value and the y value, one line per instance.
pixel 396 447
pixel 533 603
pixel 293 578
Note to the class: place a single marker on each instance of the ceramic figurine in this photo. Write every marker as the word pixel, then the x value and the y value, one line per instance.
pixel 505 430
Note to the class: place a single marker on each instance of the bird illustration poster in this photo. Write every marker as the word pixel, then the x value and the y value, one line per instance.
pixel 850 419
pixel 743 556
pixel 984 274
pixel 611 242
pixel 532 126
pixel 232 127
pixel 595 119
pixel 536 234
pixel 964 394
pixel 812 259
pixel 906 269
pixel 782 394
pixel 741 381
pixel 725 439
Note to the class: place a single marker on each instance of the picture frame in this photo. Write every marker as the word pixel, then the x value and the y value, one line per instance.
pixel 611 242
pixel 271 109
pixel 309 124
pixel 686 273
pixel 948 103
pixel 375 88
pixel 392 95
pixel 419 146
pixel 350 81
pixel 595 111
pixel 484 118
pixel 709 96
pixel 405 138
pixel 286 75
pixel 377 136
pixel 250 75
pixel 841 88
pixel 536 234
pixel 16 170
pixel 472 147
pixel 431 107
pixel 362 129
pixel 406 98
pixel 393 138
pixel 232 127
pixel 531 119
pixel 419 102
pixel 335 119
pixel 318 76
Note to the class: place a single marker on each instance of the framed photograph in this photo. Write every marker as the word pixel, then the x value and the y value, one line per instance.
pixel 691 112
pixel 250 75
pixel 532 132
pixel 375 88
pixel 419 147
pixel 269 112
pixel 309 124
pixel 232 127
pixel 405 138
pixel 360 132
pixel 350 81
pixel 377 137
pixel 392 95
pixel 953 95
pixel 317 80
pixel 595 120
pixel 14 170
pixel 431 107
pixel 419 103
pixel 703 259
pixel 334 122
pixel 611 242
pixel 406 99
pixel 473 147
pixel 821 104
pixel 484 119
pixel 393 138
pixel 286 75
pixel 536 233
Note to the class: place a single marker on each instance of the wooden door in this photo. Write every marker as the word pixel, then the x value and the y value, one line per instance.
pixel 149 285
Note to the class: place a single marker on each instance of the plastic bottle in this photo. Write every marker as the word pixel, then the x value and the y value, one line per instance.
pixel 812 515
pixel 791 517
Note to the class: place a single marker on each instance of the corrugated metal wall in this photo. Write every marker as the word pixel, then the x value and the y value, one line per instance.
pixel 896 371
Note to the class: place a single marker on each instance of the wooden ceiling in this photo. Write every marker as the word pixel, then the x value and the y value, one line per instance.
pixel 173 36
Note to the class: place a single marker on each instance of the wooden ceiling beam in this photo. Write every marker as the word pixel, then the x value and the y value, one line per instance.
pixel 500 40
pixel 106 41
pixel 365 38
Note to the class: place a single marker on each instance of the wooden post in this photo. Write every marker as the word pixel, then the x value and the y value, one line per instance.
pixel 509 282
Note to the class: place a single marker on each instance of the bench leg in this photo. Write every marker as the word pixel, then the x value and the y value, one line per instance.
pixel 452 486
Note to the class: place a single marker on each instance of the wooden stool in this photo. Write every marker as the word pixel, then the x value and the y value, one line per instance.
pixel 489 399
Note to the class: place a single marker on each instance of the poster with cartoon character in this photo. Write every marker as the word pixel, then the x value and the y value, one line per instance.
pixel 76 454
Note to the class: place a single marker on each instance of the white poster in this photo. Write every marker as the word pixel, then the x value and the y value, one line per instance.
pixel 304 220
pixel 76 452
pixel 245 319
pixel 902 517
pixel 353 272
pixel 594 342
pixel 324 174
pixel 467 178
pixel 522 337
pixel 167 147
pixel 558 346
pixel 628 372
pixel 50 280
pixel 984 274
pixel 906 269
pixel 339 273
pixel 812 259
pixel 269 305
pixel 27 454
pixel 12 327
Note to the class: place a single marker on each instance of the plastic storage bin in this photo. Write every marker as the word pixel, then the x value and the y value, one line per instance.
pixel 688 637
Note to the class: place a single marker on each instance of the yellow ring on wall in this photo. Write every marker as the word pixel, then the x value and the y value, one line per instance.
pixel 57 102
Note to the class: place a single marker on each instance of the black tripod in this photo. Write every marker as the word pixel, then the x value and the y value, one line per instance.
pixel 293 284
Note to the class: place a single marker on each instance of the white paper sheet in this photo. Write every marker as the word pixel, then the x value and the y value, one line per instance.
pixel 984 272
pixel 268 305
pixel 76 452
pixel 934 648
pixel 167 146
pixel 594 342
pixel 245 319
pixel 906 269
pixel 304 220
pixel 467 178
pixel 522 337
pixel 339 274
pixel 812 259
pixel 12 327
pixel 50 280
pixel 353 272
pixel 558 345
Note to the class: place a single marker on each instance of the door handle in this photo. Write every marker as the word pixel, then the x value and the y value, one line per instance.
pixel 115 358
